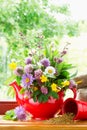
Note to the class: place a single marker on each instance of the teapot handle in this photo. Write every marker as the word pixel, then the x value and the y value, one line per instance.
pixel 74 92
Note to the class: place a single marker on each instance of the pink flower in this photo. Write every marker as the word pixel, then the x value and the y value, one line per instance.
pixel 44 90
pixel 28 68
pixel 38 73
pixel 18 71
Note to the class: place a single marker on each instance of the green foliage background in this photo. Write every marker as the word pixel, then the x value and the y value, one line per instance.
pixel 24 23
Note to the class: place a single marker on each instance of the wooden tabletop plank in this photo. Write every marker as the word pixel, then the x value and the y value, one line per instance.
pixel 40 125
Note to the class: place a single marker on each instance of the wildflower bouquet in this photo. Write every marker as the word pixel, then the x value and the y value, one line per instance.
pixel 44 73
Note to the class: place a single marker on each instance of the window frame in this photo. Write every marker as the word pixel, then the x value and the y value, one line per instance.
pixel 7 105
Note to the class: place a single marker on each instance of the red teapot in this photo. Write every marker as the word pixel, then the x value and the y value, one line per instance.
pixel 38 110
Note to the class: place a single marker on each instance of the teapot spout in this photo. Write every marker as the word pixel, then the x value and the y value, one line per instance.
pixel 17 88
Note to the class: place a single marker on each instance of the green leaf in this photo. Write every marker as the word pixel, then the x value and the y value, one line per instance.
pixel 59 67
pixel 54 94
pixel 10 115
pixel 51 76
pixel 40 98
pixel 11 92
pixel 43 98
pixel 18 79
pixel 67 66
pixel 35 98
pixel 65 74
pixel 22 90
pixel 36 93
pixel 74 74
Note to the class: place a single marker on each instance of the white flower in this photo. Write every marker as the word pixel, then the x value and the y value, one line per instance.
pixel 50 70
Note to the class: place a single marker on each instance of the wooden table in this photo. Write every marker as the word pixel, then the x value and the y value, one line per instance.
pixel 39 125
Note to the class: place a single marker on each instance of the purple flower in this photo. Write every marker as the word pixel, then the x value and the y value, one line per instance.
pixel 28 60
pixel 28 68
pixel 20 113
pixel 45 62
pixel 18 71
pixel 63 53
pixel 44 90
pixel 38 73
pixel 72 84
pixel 60 60
pixel 27 80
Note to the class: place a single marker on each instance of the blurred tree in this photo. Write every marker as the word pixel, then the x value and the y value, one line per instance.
pixel 24 23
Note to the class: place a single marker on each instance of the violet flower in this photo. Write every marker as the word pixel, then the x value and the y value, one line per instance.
pixel 18 71
pixel 27 80
pixel 44 90
pixel 45 62
pixel 20 113
pixel 28 60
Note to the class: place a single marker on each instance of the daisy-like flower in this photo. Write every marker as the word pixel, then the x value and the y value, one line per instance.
pixel 50 70
pixel 45 62
pixel 43 78
pixel 54 87
pixel 27 80
pixel 65 83
pixel 13 65
pixel 20 113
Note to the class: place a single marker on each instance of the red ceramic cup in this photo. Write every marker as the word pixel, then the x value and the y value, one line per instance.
pixel 77 107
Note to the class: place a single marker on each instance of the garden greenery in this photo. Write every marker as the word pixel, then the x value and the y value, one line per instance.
pixel 23 22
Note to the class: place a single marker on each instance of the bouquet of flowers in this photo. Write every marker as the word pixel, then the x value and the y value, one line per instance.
pixel 44 73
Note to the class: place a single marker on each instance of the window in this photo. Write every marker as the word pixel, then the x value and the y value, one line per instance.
pixel 13 42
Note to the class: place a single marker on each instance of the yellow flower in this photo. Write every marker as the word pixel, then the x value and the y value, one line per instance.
pixel 12 66
pixel 54 87
pixel 65 83
pixel 43 78
pixel 35 88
